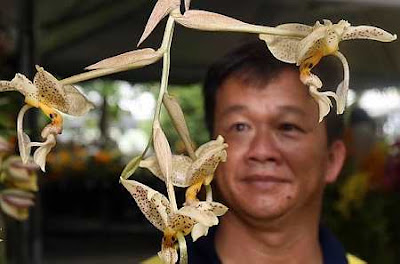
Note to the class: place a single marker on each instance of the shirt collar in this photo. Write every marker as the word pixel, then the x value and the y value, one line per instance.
pixel 203 250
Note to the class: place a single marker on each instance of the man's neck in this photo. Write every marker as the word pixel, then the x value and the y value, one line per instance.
pixel 277 242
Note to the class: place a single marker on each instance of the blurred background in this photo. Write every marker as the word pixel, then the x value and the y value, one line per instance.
pixel 83 215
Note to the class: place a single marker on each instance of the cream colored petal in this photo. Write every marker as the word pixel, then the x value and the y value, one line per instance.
pixel 180 166
pixel 187 5
pixel 23 146
pixel 216 208
pixel 183 255
pixel 26 87
pixel 168 255
pixel 311 80
pixel 368 32
pixel 285 48
pixel 65 98
pixel 178 119
pixel 16 203
pixel 161 9
pixel 204 20
pixel 343 87
pixel 198 231
pixel 77 104
pixel 181 223
pixel 136 59
pixel 40 154
pixel 163 151
pixel 141 193
pixel 204 167
pixel 18 171
pixel 310 44
pixel 323 101
pixel 6 86
pixel 5 146
pixel 204 217
pixel 219 141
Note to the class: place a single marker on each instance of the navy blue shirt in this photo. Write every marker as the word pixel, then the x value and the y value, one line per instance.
pixel 203 250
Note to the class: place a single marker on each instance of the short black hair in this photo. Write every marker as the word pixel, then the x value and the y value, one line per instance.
pixel 254 64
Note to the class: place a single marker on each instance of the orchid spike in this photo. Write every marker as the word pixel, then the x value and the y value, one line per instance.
pixel 158 211
pixel 321 40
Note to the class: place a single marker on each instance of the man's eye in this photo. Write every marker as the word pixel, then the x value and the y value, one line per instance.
pixel 288 127
pixel 239 127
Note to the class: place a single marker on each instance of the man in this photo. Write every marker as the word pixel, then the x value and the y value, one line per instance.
pixel 279 161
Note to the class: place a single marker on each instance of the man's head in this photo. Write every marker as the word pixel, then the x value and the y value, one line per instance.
pixel 279 156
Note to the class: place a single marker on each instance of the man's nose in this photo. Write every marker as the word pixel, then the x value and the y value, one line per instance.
pixel 263 148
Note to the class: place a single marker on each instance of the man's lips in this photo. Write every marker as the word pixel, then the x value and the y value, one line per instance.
pixel 265 178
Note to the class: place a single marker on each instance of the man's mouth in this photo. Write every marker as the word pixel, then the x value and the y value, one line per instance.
pixel 264 182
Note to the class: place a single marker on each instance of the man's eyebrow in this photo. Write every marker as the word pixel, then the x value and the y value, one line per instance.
pixel 292 110
pixel 232 109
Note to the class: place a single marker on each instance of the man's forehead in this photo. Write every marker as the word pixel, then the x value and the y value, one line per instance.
pixel 285 94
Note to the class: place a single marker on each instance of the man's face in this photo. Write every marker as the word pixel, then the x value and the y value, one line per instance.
pixel 278 158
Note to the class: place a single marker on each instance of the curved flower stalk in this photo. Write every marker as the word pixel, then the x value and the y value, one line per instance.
pixel 52 97
pixel 321 40
pixel 158 211
pixel 192 173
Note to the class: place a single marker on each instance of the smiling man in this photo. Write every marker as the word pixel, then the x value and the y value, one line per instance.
pixel 280 159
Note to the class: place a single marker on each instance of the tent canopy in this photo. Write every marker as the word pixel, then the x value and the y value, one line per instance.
pixel 72 34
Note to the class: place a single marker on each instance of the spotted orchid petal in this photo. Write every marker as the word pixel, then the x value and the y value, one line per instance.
pixel 168 255
pixel 204 167
pixel 27 88
pixel 311 45
pixel 180 166
pixel 181 223
pixel 161 9
pixel 147 200
pixel 284 48
pixel 65 98
pixel 368 32
pixel 206 218
pixel 16 203
pixel 135 59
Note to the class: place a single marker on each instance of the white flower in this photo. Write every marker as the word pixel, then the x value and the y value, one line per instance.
pixel 321 40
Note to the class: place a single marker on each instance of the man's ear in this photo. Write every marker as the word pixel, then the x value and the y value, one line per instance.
pixel 336 157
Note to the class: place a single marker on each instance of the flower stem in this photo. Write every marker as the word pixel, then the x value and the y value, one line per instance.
pixel 166 47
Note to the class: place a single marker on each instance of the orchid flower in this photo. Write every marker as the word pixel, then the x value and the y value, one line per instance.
pixel 52 97
pixel 321 40
pixel 16 203
pixel 174 225
pixel 16 174
pixel 189 173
